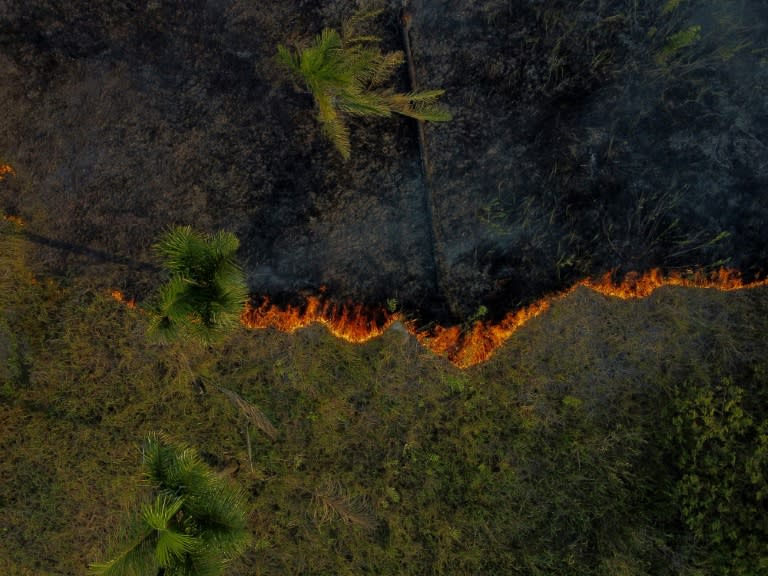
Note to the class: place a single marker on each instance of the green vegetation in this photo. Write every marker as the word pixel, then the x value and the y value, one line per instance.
pixel 721 435
pixel 346 73
pixel 670 6
pixel 193 525
pixel 202 303
pixel 678 41
pixel 206 293
pixel 682 47
pixel 605 438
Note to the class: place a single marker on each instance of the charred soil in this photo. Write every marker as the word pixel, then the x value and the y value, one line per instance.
pixel 613 136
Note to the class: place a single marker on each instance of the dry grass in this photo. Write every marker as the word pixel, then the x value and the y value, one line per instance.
pixel 387 459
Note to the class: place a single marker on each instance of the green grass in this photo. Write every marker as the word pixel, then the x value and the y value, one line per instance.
pixel 564 454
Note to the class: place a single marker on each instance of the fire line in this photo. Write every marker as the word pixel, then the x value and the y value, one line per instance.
pixel 466 348
pixel 463 347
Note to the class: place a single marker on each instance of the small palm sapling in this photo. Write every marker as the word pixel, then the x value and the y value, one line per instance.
pixel 346 73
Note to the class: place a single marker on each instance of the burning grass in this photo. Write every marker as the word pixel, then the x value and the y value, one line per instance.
pixel 353 323
pixel 466 347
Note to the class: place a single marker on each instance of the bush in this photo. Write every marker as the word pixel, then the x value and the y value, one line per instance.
pixel 721 433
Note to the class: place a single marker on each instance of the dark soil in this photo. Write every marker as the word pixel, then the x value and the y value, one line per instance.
pixel 581 143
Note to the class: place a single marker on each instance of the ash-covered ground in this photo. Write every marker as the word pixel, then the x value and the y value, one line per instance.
pixel 618 135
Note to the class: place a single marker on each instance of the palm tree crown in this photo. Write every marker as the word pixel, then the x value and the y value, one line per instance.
pixel 193 526
pixel 345 73
pixel 206 292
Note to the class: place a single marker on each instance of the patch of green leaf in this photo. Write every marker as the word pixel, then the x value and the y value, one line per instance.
pixel 346 72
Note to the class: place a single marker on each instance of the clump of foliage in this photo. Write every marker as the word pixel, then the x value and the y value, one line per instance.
pixel 346 73
pixel 678 41
pixel 206 293
pixel 194 524
pixel 682 48
pixel 721 434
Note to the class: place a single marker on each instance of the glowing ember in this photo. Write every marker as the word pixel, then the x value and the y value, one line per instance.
pixel 120 297
pixel 13 219
pixel 6 169
pixel 464 347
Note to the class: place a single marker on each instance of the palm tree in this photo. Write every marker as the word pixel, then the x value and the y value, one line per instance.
pixel 194 525
pixel 345 72
pixel 206 292
pixel 202 301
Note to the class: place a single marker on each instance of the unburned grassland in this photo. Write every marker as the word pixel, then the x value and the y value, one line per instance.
pixel 604 438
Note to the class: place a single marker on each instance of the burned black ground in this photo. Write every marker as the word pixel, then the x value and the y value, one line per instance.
pixel 578 146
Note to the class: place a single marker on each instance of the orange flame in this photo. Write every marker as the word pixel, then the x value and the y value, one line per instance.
pixel 120 297
pixel 13 219
pixel 6 169
pixel 465 347
pixel 354 324
pixel 478 345
pixel 636 285
pixel 472 347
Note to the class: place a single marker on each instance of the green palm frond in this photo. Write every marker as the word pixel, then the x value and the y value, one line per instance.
pixel 168 467
pixel 361 62
pixel 385 67
pixel 176 470
pixel 153 454
pixel 181 249
pixel 176 297
pixel 206 293
pixel 353 28
pixel 159 514
pixel 201 564
pixel 136 559
pixel 321 64
pixel 189 474
pixel 329 39
pixel 364 104
pixel 289 58
pixel 420 105
pixel 227 277
pixel 425 97
pixel 173 546
pixel 333 125
pixel 345 73
pixel 171 311
pixel 219 514
pixel 193 526
pixel 224 245
pixel 172 543
pixel 163 329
